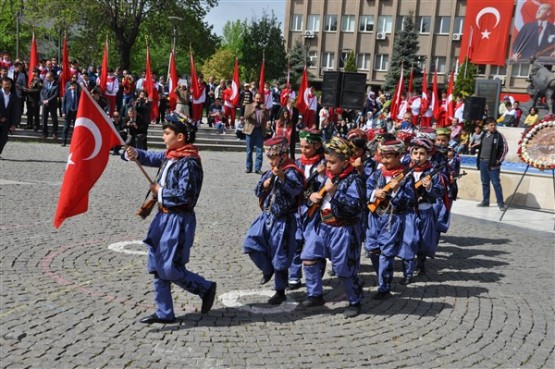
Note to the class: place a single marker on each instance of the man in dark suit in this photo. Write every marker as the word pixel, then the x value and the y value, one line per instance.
pixel 49 100
pixel 70 103
pixel 7 111
pixel 536 38
pixel 256 118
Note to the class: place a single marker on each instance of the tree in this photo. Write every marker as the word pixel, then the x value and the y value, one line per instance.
pixel 466 79
pixel 220 64
pixel 351 62
pixel 233 35
pixel 297 58
pixel 264 37
pixel 405 48
pixel 127 22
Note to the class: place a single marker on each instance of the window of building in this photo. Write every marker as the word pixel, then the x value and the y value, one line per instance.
pixel 328 60
pixel 313 58
pixel 520 70
pixel 330 23
pixel 363 61
pixel 297 22
pixel 423 24
pixel 459 24
pixel 440 64
pixel 382 62
pixel 343 58
pixel 480 69
pixel 366 23
pixel 498 69
pixel 385 23
pixel 442 25
pixel 400 23
pixel 313 23
pixel 348 23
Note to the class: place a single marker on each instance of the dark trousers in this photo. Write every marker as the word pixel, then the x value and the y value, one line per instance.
pixel 4 129
pixel 33 114
pixel 68 124
pixel 52 110
pixel 138 140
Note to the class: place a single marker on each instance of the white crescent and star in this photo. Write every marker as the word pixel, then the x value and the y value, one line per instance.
pixel 234 90
pixel 305 97
pixel 88 124
pixel 481 13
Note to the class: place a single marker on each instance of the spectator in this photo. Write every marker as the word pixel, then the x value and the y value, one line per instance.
pixel 475 139
pixel 532 117
pixel 255 128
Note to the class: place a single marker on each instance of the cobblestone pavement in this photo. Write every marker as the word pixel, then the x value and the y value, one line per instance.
pixel 68 301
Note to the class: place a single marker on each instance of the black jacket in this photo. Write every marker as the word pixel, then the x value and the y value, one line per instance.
pixel 498 150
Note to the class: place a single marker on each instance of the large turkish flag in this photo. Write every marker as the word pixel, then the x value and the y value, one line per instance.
pixel 93 136
pixel 486 31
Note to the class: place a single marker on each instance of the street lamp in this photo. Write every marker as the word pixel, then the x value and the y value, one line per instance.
pixel 174 19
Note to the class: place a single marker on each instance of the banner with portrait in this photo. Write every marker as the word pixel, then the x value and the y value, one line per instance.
pixel 534 32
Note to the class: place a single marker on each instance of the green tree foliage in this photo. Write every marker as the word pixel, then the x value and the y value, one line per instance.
pixel 264 37
pixel 405 48
pixel 127 23
pixel 351 62
pixel 220 65
pixel 233 36
pixel 298 58
pixel 466 79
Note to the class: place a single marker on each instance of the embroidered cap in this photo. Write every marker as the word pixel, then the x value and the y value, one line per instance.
pixel 405 135
pixel 428 132
pixel 341 146
pixel 423 142
pixel 443 131
pixel 311 135
pixel 392 147
pixel 276 146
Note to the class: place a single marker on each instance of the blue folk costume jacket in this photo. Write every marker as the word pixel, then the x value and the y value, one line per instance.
pixel 426 236
pixel 442 206
pixel 335 231
pixel 171 233
pixel 386 226
pixel 273 231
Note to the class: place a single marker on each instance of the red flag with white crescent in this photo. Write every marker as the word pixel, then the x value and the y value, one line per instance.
pixel 150 89
pixel 450 108
pixel 66 74
pixel 34 59
pixel 435 103
pixel 261 79
pixel 396 102
pixel 234 99
pixel 424 103
pixel 490 22
pixel 195 87
pixel 173 80
pixel 93 136
pixel 302 98
pixel 104 70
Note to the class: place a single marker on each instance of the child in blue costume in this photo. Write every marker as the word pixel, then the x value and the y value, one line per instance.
pixel 335 231
pixel 386 224
pixel 270 240
pixel 313 165
pixel 172 231
pixel 428 189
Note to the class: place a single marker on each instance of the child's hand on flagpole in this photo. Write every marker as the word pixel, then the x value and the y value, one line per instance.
pixel 131 153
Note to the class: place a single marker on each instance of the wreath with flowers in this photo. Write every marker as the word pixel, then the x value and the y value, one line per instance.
pixel 537 145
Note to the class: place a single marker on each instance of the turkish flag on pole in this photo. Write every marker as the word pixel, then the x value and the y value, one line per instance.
pixel 173 79
pixel 234 99
pixel 104 70
pixel 34 59
pixel 411 78
pixel 150 89
pixel 195 87
pixel 486 31
pixel 435 103
pixel 93 136
pixel 450 108
pixel 302 99
pixel 424 103
pixel 397 97
pixel 261 79
pixel 66 75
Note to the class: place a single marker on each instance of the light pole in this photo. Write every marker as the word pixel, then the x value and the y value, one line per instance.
pixel 174 19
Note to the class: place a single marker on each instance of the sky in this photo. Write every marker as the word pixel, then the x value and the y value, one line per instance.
pixel 231 10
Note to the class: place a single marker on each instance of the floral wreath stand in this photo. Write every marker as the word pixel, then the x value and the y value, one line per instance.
pixel 537 149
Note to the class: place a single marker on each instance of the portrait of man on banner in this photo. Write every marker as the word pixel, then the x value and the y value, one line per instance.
pixel 534 31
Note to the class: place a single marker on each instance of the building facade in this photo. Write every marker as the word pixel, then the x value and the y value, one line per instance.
pixel 330 29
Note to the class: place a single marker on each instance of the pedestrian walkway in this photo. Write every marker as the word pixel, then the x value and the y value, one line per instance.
pixel 537 220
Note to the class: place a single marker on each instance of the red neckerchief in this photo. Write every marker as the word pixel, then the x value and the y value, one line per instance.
pixel 422 167
pixel 182 152
pixel 343 174
pixel 392 172
pixel 310 161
